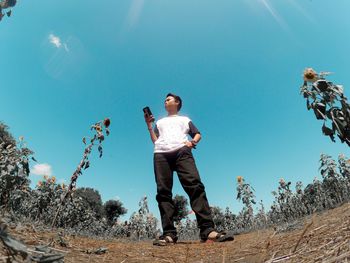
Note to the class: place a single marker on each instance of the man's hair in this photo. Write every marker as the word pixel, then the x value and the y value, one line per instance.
pixel 177 98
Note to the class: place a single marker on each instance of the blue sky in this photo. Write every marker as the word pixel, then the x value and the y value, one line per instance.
pixel 237 65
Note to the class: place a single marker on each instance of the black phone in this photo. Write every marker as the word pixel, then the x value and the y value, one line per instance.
pixel 147 110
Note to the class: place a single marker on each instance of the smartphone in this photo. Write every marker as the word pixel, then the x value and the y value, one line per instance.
pixel 147 110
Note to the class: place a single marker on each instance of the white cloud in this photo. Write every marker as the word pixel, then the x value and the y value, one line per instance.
pixel 42 169
pixel 55 40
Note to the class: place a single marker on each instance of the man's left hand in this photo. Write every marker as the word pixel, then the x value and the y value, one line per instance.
pixel 189 144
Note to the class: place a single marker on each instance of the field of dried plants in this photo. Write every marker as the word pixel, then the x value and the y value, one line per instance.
pixel 323 237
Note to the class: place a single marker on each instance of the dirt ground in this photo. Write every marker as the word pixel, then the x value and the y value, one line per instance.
pixel 324 237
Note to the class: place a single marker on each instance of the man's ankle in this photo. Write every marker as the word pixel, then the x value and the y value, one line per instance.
pixel 205 232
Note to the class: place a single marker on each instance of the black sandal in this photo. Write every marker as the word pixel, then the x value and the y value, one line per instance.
pixel 221 236
pixel 165 240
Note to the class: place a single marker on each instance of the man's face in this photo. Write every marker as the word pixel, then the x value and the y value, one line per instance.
pixel 170 104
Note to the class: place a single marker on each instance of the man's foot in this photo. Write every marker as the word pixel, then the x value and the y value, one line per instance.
pixel 221 236
pixel 164 240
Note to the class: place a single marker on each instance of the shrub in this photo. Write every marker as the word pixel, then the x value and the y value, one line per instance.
pixel 91 199
pixel 113 210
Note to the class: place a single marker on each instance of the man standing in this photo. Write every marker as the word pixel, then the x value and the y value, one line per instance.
pixel 173 152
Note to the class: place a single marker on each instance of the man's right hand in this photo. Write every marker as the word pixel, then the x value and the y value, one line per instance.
pixel 149 120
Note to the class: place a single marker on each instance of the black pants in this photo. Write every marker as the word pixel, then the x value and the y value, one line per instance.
pixel 183 163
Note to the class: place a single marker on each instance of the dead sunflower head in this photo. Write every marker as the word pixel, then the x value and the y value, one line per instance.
pixel 239 179
pixel 106 122
pixel 98 128
pixel 310 75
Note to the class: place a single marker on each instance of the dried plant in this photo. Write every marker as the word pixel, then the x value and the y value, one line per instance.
pixel 14 165
pixel 6 4
pixel 329 104
pixel 143 225
pixel 245 193
pixel 98 128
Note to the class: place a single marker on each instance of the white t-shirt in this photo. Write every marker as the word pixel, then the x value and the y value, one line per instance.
pixel 172 131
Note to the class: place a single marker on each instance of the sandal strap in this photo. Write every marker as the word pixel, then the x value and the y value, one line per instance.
pixel 167 238
pixel 220 234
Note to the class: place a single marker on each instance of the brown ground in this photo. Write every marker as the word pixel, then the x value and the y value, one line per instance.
pixel 322 238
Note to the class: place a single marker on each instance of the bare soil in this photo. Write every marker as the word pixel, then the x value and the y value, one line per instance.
pixel 324 237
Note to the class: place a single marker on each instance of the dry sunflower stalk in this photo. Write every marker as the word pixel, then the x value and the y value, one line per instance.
pixel 329 104
pixel 99 128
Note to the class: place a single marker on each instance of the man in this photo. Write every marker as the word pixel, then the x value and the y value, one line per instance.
pixel 173 152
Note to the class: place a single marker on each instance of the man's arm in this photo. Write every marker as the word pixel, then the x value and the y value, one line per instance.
pixel 149 120
pixel 195 134
pixel 197 137
pixel 154 136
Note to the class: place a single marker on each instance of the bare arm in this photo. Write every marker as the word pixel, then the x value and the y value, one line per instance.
pixel 149 120
pixel 197 137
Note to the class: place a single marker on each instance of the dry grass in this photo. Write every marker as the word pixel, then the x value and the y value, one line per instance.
pixel 323 238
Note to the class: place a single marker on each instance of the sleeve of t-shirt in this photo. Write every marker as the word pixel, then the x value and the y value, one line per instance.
pixel 156 131
pixel 193 129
